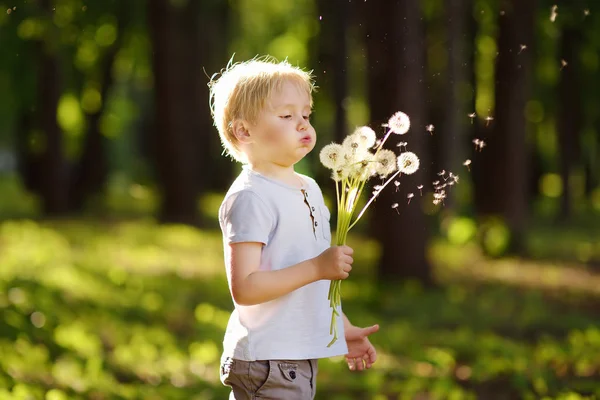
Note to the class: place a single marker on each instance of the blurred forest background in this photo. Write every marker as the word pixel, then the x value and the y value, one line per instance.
pixel 111 273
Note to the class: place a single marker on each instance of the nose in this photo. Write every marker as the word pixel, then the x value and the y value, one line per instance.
pixel 303 125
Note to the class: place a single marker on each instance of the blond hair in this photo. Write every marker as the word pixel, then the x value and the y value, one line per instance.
pixel 243 88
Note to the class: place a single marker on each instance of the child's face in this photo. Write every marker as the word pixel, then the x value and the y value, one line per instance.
pixel 282 133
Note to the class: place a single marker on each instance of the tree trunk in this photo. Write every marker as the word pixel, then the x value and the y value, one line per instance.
pixel 173 32
pixel 504 160
pixel 456 124
pixel 569 126
pixel 53 167
pixel 90 174
pixel 396 54
pixel 216 170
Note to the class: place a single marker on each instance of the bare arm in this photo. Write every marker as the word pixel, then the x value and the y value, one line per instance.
pixel 347 324
pixel 251 286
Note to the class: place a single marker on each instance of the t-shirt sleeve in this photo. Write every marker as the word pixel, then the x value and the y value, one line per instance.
pixel 247 218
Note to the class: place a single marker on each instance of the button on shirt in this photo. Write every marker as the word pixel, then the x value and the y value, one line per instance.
pixel 293 225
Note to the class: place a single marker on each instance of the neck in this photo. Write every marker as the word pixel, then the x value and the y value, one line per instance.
pixel 282 173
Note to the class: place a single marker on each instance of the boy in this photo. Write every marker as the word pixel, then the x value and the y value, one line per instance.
pixel 276 238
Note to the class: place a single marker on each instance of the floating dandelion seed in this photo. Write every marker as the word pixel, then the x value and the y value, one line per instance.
pixel 402 144
pixel 436 202
pixel 467 164
pixel 488 119
pixel 9 11
pixel 472 116
pixel 436 183
pixel 563 64
pixel 395 207
pixel 408 163
pixel 586 12
pixel 410 196
pixel 442 173
pixel 523 47
pixel 430 128
pixel 420 187
pixel 553 13
pixel 481 145
pixel 320 18
pixel 397 184
pixel 399 123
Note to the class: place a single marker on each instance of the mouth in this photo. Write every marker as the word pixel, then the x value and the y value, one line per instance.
pixel 306 139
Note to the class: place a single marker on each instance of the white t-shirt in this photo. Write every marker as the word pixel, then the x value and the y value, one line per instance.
pixel 294 227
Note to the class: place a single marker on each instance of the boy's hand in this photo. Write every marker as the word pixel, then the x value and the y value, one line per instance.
pixel 335 263
pixel 361 353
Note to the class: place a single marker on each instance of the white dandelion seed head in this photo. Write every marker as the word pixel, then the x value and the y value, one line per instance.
pixel 385 162
pixel 467 162
pixel 339 174
pixel 410 195
pixel 399 123
pixel 366 136
pixel 408 163
pixel 355 146
pixel 363 168
pixel 395 205
pixel 332 156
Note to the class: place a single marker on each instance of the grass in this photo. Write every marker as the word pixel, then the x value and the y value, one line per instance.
pixel 135 310
pixel 114 306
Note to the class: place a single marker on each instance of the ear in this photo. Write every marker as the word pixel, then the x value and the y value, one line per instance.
pixel 241 131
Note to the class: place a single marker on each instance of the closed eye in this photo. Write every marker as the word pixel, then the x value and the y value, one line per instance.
pixel 286 116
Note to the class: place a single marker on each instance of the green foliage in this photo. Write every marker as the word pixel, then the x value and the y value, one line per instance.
pixel 135 310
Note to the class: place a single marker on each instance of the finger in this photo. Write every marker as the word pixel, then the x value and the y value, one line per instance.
pixel 351 364
pixel 372 354
pixel 347 268
pixel 348 260
pixel 370 330
pixel 365 360
pixel 360 365
pixel 348 250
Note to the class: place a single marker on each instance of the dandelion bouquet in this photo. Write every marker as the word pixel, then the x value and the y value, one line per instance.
pixel 359 158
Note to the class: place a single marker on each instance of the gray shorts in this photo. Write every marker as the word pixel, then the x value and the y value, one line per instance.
pixel 270 379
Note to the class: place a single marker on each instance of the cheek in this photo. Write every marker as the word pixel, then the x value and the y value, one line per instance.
pixel 273 138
